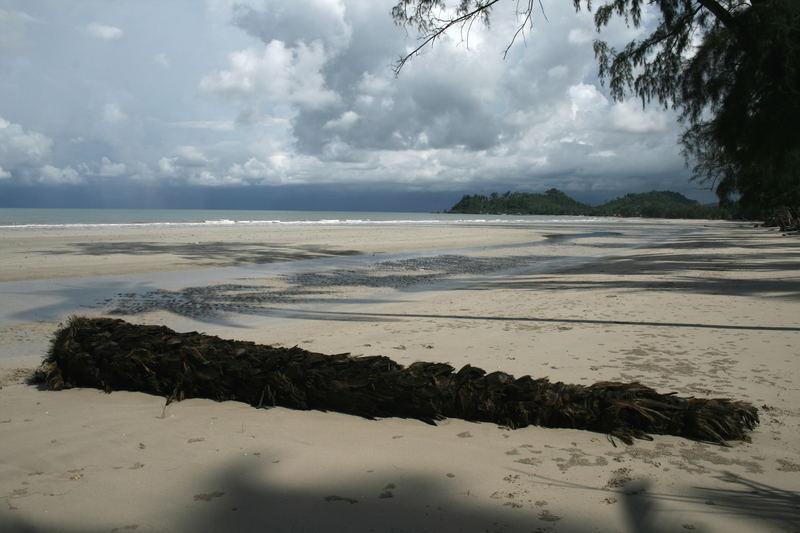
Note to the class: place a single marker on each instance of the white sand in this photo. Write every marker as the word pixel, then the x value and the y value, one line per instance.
pixel 39 254
pixel 713 312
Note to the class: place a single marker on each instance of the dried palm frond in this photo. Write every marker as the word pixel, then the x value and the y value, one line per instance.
pixel 113 355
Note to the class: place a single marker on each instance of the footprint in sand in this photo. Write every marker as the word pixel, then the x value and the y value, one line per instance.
pixel 533 461
pixel 619 478
pixel 334 498
pixel 547 516
pixel 788 466
pixel 387 491
pixel 208 496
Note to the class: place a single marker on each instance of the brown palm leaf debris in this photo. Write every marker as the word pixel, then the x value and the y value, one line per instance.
pixel 112 354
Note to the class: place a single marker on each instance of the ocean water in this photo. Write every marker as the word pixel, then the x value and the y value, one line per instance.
pixel 82 218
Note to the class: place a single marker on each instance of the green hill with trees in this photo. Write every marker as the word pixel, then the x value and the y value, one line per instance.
pixel 654 204
pixel 552 202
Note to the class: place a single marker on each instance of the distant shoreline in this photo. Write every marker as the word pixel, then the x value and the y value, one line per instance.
pixel 653 204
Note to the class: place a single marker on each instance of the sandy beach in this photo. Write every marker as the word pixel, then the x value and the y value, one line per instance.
pixel 700 308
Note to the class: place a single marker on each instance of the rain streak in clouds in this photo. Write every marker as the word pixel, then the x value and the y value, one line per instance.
pixel 238 93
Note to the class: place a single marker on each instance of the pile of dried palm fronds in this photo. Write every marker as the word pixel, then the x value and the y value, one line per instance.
pixel 115 355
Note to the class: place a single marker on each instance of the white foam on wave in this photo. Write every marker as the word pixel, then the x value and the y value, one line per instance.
pixel 310 222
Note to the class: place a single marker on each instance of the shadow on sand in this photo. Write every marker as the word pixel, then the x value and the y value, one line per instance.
pixel 207 253
pixel 672 267
pixel 242 498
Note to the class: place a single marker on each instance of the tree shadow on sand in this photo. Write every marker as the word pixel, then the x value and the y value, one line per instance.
pixel 356 316
pixel 640 272
pixel 215 253
pixel 242 497
pixel 764 507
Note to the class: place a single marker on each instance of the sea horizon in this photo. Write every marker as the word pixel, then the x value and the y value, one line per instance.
pixel 44 218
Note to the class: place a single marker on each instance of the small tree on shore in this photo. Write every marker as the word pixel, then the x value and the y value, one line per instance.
pixel 731 68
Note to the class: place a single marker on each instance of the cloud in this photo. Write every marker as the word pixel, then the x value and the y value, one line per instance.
pixel 457 114
pixel 113 114
pixel 579 36
pixel 166 166
pixel 558 71
pixel 344 122
pixel 20 147
pixel 214 125
pixel 111 170
pixel 261 172
pixel 190 164
pixel 629 116
pixel 253 92
pixel 51 175
pixel 585 99
pixel 296 22
pixel 250 114
pixel 277 74
pixel 190 156
pixel 207 178
pixel 161 59
pixel 104 31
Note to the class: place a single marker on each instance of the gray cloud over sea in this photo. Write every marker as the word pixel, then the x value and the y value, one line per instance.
pixel 300 96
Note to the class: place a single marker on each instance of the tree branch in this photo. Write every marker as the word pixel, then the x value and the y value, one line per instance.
pixel 436 33
pixel 722 14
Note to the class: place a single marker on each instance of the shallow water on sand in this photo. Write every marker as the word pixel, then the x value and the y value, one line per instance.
pixel 553 247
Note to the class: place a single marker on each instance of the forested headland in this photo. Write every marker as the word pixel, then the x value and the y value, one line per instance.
pixel 654 204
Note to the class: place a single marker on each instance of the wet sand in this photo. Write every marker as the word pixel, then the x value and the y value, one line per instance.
pixel 710 310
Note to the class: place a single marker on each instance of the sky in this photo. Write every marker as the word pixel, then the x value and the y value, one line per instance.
pixel 294 105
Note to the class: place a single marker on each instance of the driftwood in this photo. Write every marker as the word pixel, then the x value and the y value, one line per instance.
pixel 112 355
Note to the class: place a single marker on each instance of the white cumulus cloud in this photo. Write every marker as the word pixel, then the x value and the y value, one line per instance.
pixel 629 116
pixel 190 156
pixel 585 99
pixel 579 36
pixel 166 166
pixel 187 162
pixel 111 170
pixel 20 147
pixel 210 179
pixel 277 74
pixel 57 176
pixel 161 59
pixel 344 122
pixel 104 31
pixel 113 113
